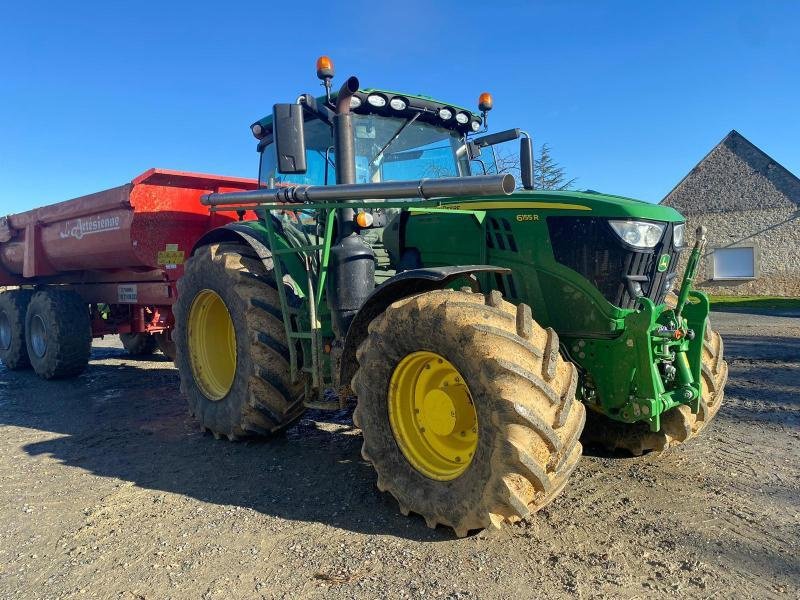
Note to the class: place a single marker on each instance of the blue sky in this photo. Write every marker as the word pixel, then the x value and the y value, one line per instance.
pixel 630 95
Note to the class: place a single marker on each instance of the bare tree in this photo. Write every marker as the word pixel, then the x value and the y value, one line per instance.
pixel 506 160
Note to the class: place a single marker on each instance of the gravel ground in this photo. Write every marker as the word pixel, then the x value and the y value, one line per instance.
pixel 108 489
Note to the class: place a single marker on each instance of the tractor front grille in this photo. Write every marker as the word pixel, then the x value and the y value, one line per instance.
pixel 589 246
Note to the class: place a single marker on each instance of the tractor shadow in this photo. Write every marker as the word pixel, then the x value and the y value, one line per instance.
pixel 129 422
pixel 105 352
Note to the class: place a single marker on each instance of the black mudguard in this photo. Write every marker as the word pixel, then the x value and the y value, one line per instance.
pixel 402 285
pixel 237 232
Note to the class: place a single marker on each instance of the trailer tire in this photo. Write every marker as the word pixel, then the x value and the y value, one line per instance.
pixel 138 344
pixel 13 351
pixel 166 345
pixel 58 334
pixel 227 299
pixel 441 361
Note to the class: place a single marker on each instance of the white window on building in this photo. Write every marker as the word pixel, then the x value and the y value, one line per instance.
pixel 734 263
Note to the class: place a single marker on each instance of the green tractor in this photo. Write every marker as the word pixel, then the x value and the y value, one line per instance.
pixel 473 322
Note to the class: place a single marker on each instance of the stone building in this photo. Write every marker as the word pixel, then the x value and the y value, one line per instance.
pixel 751 207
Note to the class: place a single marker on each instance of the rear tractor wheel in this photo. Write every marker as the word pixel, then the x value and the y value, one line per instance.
pixel 231 348
pixel 467 409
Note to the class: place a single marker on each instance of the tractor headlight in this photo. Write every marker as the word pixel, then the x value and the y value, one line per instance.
pixel 377 100
pixel 398 103
pixel 640 234
pixel 679 235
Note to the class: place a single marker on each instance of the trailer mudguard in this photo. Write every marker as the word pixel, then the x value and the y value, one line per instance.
pixel 407 283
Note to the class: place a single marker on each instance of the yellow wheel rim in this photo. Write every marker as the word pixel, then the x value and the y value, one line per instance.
pixel 212 345
pixel 432 415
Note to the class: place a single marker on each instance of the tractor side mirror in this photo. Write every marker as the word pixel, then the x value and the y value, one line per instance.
pixel 526 162
pixel 496 138
pixel 288 130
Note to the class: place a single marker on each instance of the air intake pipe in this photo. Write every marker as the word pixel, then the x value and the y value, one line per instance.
pixel 479 185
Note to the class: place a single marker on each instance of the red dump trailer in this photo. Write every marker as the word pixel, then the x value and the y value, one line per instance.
pixel 116 255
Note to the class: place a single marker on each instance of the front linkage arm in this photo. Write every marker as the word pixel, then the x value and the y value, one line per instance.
pixel 691 271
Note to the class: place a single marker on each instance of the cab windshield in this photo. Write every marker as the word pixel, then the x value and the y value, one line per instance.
pixel 386 148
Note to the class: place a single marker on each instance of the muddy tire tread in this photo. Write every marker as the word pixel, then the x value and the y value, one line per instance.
pixel 15 304
pixel 536 425
pixel 69 344
pixel 270 402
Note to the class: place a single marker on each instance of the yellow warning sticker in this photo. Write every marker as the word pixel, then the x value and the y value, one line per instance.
pixel 171 256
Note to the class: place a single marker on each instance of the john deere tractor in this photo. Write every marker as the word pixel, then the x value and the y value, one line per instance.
pixel 384 258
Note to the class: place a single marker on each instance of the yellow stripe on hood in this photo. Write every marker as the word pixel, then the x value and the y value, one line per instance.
pixel 514 205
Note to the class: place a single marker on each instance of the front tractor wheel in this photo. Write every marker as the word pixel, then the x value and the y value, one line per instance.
pixel 231 349
pixel 467 409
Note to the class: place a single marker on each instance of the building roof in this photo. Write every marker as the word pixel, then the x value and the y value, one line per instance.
pixel 736 175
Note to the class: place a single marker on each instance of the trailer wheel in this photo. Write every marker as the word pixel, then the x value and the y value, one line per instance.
pixel 13 352
pixel 138 344
pixel 166 345
pixel 232 353
pixel 467 409
pixel 58 334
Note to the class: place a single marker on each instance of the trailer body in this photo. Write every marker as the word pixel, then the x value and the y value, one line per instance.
pixel 122 248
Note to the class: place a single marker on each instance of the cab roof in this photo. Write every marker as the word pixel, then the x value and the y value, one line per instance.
pixel 427 107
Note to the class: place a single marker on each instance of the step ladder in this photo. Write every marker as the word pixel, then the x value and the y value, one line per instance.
pixel 315 257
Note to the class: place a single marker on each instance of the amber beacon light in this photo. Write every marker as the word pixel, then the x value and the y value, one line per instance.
pixel 324 67
pixel 485 102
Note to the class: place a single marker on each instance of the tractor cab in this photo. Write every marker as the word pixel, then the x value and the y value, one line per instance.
pixel 395 137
